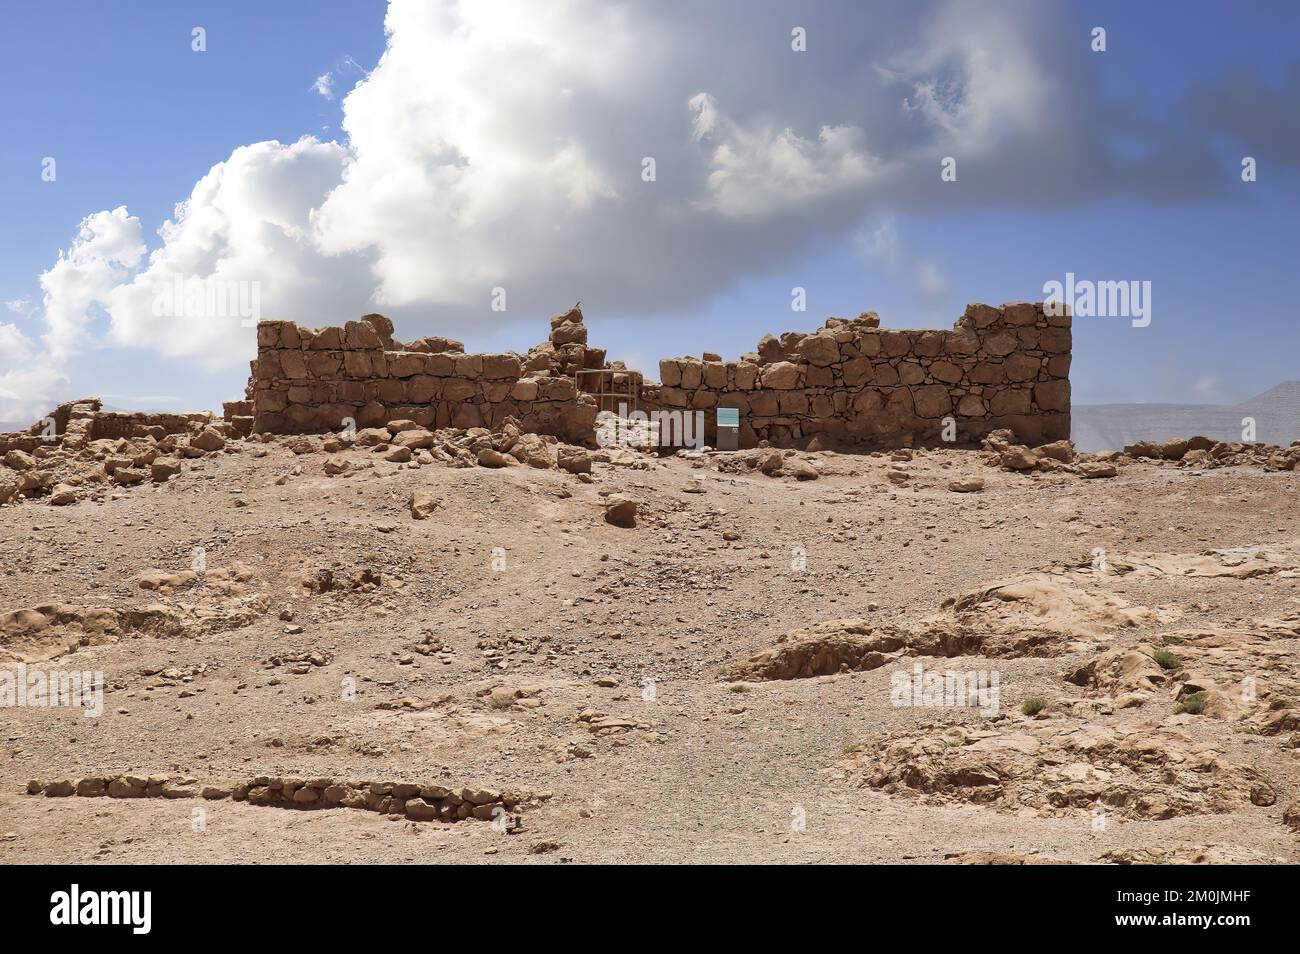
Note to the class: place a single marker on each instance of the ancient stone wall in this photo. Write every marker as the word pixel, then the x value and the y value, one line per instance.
pixel 849 384
pixel 76 423
pixel 305 381
pixel 853 383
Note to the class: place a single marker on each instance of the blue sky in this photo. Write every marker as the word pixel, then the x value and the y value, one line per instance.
pixel 1114 166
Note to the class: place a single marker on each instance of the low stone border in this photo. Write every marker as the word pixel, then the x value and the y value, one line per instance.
pixel 415 801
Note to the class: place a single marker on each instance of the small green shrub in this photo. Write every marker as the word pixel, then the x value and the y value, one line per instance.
pixel 1195 703
pixel 1166 660
pixel 1033 705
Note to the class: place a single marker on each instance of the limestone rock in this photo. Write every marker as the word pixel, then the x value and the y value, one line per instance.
pixel 63 495
pixel 163 469
pixel 209 439
pixel 574 460
pixel 1019 457
pixel 620 510
pixel 128 476
pixel 1062 451
pixel 421 504
pixel 1094 469
pixel 800 469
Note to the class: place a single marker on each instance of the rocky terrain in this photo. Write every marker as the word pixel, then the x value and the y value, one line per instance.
pixel 414 644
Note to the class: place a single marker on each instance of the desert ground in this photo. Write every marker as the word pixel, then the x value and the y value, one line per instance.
pixel 383 636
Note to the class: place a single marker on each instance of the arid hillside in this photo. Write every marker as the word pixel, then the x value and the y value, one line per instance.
pixel 459 645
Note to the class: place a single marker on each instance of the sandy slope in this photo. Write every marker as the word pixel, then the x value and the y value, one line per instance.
pixel 568 634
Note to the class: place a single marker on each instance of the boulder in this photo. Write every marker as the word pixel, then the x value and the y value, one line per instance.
pixel 533 450
pixel 9 486
pixel 62 495
pixel 416 438
pixel 769 461
pixel 1057 450
pixel 1018 457
pixel 208 440
pixel 1174 449
pixel 575 460
pixel 620 510
pixel 1094 469
pixel 800 469
pixel 417 809
pixel 383 328
pixel 19 460
pixel 129 476
pixel 1144 449
pixel 164 468
pixel 820 350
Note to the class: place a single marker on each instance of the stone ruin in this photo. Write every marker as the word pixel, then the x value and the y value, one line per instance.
pixel 76 424
pixel 414 801
pixel 853 384
pixel 306 381
pixel 849 384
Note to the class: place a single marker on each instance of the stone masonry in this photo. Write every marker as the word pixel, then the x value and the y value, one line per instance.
pixel 849 384
pixel 75 424
pixel 854 384
pixel 305 381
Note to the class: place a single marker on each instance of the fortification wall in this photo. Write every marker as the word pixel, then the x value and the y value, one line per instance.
pixel 74 424
pixel 849 384
pixel 853 383
pixel 312 381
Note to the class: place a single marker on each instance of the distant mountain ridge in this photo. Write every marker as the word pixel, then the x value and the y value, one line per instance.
pixel 1099 427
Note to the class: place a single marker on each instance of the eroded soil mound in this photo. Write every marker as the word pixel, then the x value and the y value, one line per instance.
pixel 1060 766
pixel 1034 615
pixel 52 630
pixel 1240 563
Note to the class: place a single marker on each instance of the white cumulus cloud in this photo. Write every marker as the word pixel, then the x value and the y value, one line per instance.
pixel 107 247
pixel 324 85
pixel 502 143
pixel 245 232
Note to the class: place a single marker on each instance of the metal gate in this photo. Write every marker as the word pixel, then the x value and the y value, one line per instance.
pixel 610 388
